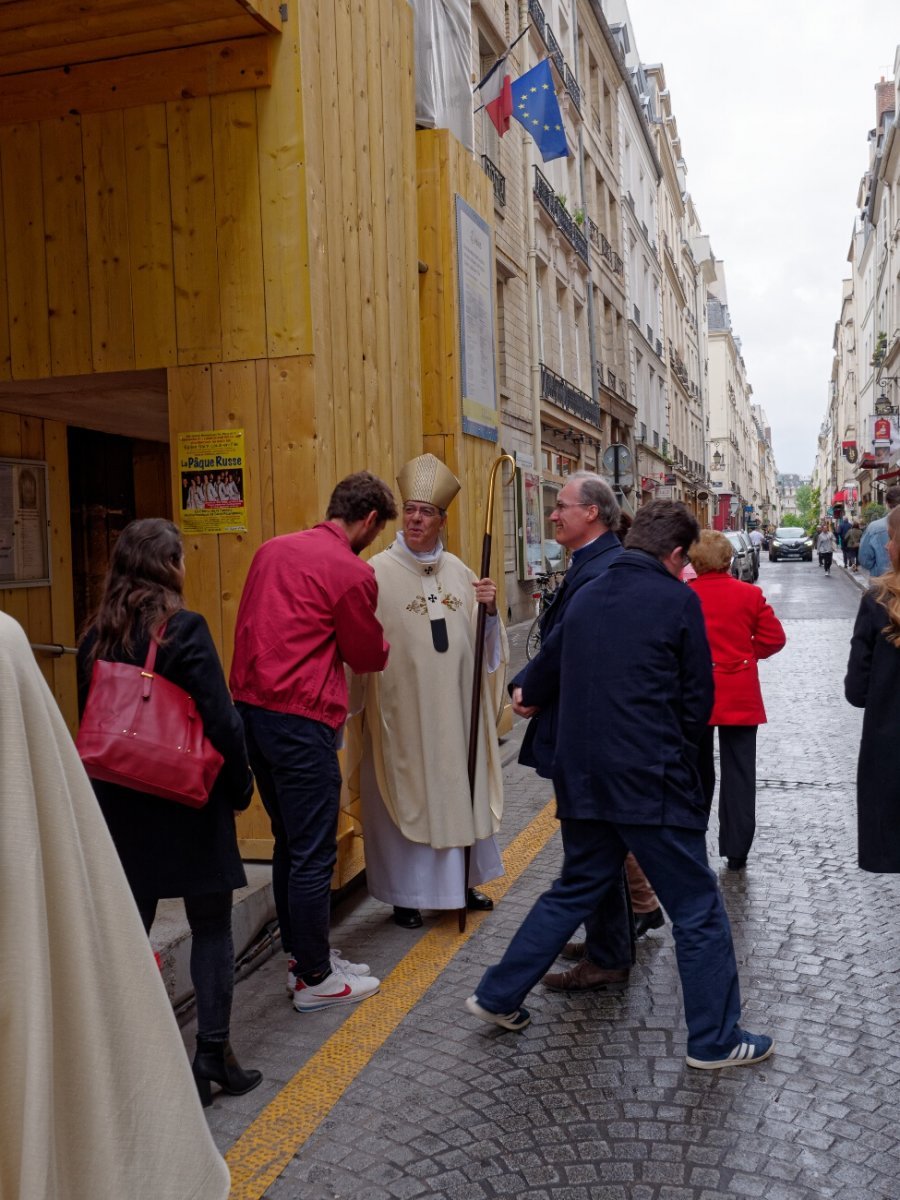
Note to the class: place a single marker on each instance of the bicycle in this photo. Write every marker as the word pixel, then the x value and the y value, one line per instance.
pixel 543 598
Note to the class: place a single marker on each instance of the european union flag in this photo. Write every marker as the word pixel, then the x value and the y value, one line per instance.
pixel 535 106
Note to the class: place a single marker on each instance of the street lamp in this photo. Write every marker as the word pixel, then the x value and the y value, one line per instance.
pixel 718 461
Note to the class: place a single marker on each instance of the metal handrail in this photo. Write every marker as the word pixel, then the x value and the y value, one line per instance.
pixel 54 649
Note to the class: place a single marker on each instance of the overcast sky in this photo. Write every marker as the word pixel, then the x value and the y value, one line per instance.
pixel 773 103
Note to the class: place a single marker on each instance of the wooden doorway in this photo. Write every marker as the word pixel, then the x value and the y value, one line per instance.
pixel 112 481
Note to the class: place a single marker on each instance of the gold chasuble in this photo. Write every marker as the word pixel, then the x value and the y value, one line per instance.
pixel 417 711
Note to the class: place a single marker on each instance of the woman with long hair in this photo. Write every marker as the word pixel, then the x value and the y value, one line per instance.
pixel 168 849
pixel 873 683
pixel 741 629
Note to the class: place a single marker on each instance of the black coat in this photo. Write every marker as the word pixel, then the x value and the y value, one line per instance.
pixel 168 849
pixel 631 671
pixel 873 683
pixel 539 742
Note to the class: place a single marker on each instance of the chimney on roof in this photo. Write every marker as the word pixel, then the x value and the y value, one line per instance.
pixel 884 99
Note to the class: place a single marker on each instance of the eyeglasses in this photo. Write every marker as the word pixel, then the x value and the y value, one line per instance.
pixel 423 510
pixel 564 504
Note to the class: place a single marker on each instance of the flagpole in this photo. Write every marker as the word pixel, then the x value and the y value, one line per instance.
pixel 475 718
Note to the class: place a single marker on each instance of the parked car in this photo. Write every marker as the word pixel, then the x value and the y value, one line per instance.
pixel 743 560
pixel 788 542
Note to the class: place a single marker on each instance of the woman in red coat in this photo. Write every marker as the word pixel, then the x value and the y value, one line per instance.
pixel 741 629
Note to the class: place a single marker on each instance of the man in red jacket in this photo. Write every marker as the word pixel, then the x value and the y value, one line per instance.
pixel 308 607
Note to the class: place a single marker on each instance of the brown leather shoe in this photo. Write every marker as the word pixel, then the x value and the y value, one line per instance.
pixel 586 977
pixel 573 951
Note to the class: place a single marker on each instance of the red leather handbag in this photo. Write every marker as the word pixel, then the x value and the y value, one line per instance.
pixel 142 732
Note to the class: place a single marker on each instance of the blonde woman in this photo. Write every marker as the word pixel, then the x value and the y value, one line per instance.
pixel 873 683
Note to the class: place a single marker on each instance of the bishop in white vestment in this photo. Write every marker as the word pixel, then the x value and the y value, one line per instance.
pixel 410 737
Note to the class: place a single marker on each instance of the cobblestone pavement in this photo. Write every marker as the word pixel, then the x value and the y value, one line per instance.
pixel 593 1101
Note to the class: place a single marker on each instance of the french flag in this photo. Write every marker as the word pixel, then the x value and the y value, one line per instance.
pixel 496 95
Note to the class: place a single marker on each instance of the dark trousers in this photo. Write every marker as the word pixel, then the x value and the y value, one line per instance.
pixel 825 559
pixel 295 763
pixel 737 785
pixel 675 863
pixel 212 958
pixel 609 930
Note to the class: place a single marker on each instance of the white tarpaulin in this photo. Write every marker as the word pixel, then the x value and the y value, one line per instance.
pixel 444 100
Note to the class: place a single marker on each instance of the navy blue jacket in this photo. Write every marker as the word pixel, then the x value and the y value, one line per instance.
pixel 631 672
pixel 539 742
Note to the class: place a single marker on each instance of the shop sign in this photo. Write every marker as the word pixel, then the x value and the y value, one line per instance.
pixel 850 451
pixel 212 468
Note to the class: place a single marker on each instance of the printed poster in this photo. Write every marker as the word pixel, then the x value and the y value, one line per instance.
pixel 474 264
pixel 24 527
pixel 212 468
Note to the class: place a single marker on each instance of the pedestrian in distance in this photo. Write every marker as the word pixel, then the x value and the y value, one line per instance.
pixel 169 849
pixel 632 711
pixel 873 684
pixel 841 528
pixel 308 607
pixel 407 749
pixel 742 629
pixel 852 539
pixel 825 548
pixel 873 551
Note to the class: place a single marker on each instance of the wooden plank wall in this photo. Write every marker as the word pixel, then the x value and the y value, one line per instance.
pixel 446 169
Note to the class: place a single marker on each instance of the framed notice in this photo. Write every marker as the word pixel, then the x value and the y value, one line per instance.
pixel 529 540
pixel 24 525
pixel 474 270
pixel 212 473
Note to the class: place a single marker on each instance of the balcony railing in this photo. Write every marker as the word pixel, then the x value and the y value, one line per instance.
pixel 497 178
pixel 569 398
pixel 613 261
pixel 594 231
pixel 539 21
pixel 559 214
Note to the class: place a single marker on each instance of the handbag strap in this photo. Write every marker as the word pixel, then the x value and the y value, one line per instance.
pixel 150 661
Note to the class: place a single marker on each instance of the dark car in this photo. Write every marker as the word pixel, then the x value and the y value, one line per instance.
pixel 743 559
pixel 790 542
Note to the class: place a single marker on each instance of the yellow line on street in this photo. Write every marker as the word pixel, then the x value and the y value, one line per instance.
pixel 266 1147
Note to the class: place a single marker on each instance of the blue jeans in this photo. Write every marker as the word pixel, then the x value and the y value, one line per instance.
pixel 674 861
pixel 295 763
pixel 212 958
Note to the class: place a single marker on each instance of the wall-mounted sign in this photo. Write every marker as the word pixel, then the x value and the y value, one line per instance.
pixel 212 472
pixel 474 270
pixel 24 526
pixel 850 451
pixel 884 439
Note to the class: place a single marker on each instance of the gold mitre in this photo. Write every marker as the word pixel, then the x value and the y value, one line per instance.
pixel 427 480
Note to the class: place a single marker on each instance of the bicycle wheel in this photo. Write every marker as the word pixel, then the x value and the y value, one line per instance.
pixel 533 641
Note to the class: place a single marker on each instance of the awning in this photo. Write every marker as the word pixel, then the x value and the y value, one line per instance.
pixel 839 498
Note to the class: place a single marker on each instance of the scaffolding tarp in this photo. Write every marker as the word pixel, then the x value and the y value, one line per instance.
pixel 443 38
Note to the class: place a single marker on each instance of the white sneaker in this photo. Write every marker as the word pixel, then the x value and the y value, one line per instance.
pixel 339 987
pixel 337 964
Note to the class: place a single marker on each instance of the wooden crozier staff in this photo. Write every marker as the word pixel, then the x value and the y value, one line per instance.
pixel 479 656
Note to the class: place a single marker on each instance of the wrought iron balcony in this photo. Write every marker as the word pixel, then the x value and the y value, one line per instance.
pixel 497 178
pixel 613 261
pixel 539 21
pixel 572 87
pixel 594 231
pixel 559 214
pixel 571 399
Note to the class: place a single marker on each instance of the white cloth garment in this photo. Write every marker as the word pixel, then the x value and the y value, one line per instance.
pixel 99 1101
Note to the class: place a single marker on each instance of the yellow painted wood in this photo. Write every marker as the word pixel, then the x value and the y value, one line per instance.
pixel 410 280
pixel 394 231
pixel 5 365
pixel 118 83
pixel 26 274
pixel 62 613
pixel 109 255
pixel 267 12
pixel 13 601
pixel 65 235
pixel 263 464
pixel 197 312
pixel 295 463
pixel 238 226
pixel 282 177
pixel 150 236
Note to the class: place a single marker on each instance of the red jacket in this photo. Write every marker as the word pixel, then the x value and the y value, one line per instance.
pixel 741 629
pixel 308 607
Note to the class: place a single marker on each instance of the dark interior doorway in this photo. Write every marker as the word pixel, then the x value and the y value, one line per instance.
pixel 112 480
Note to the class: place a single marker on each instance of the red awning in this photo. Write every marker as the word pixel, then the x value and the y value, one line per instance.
pixel 839 498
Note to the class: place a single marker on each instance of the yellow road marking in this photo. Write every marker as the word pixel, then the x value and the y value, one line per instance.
pixel 266 1147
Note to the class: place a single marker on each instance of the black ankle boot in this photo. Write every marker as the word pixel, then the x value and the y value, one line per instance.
pixel 214 1062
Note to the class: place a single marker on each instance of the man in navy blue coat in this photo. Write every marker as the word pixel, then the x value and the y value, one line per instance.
pixel 585 518
pixel 630 669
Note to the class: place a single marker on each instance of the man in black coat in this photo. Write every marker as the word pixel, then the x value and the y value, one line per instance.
pixel 630 669
pixel 585 519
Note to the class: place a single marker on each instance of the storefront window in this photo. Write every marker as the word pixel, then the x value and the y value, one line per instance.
pixel 554 555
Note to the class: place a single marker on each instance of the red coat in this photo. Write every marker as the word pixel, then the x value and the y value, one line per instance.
pixel 741 629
